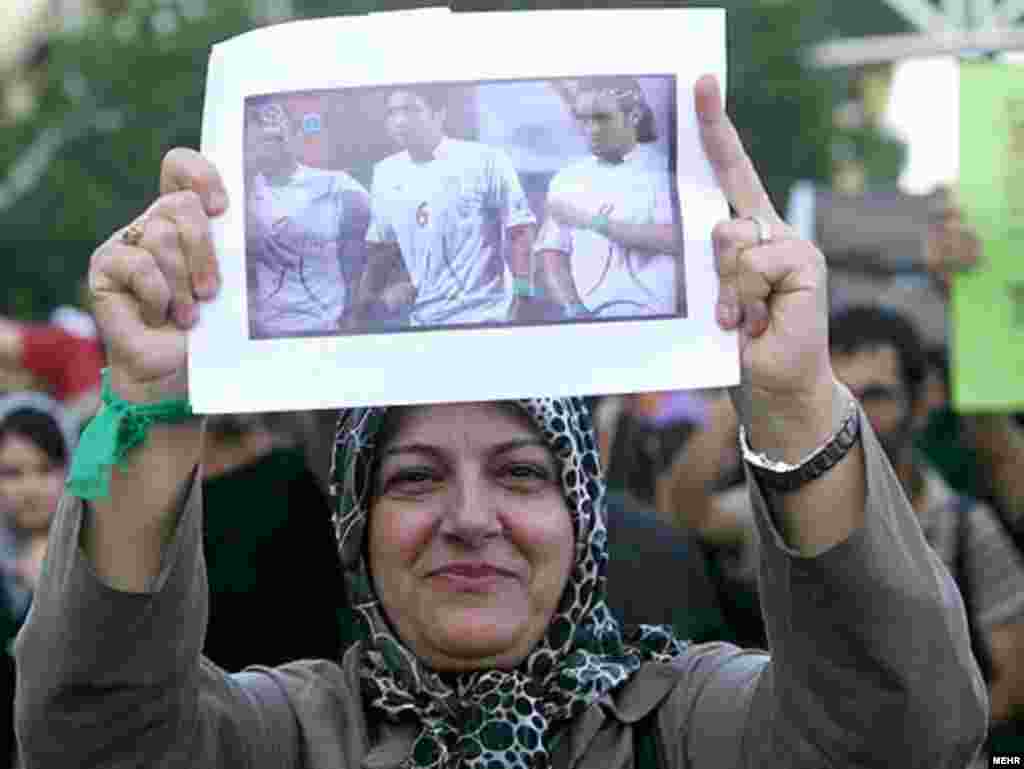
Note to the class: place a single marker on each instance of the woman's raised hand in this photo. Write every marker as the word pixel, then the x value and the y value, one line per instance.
pixel 147 280
pixel 772 283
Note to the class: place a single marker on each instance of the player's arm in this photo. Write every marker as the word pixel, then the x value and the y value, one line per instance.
pixel 554 281
pixel 352 245
pixel 384 285
pixel 654 238
pixel 539 261
pixel 384 288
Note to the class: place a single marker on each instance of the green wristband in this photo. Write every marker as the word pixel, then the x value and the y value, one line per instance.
pixel 576 310
pixel 522 287
pixel 118 427
pixel 600 224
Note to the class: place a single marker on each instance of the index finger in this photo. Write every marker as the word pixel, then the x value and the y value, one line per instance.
pixel 185 169
pixel 733 169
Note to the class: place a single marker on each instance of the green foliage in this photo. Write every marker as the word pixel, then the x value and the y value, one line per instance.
pixel 118 94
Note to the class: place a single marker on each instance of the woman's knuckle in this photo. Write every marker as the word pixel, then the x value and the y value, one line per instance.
pixel 188 204
pixel 162 233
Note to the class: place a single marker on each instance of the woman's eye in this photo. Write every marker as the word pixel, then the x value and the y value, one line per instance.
pixel 527 472
pixel 412 479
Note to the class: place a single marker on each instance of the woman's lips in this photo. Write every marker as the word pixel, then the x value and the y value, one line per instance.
pixel 465 576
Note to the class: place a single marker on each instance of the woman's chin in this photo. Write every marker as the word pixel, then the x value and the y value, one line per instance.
pixel 472 639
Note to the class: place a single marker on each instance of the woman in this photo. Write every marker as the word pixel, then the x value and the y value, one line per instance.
pixel 37 438
pixel 473 544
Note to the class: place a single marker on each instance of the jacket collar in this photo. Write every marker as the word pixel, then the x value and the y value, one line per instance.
pixel 644 692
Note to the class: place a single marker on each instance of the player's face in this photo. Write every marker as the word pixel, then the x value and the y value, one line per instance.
pixel 411 121
pixel 270 139
pixel 610 131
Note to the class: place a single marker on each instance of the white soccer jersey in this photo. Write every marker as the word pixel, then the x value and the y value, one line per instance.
pixel 448 217
pixel 294 233
pixel 611 279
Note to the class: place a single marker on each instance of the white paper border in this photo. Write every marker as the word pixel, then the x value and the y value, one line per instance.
pixel 230 373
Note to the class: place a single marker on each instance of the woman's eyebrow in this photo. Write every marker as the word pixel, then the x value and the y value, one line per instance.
pixel 437 453
pixel 519 443
pixel 412 448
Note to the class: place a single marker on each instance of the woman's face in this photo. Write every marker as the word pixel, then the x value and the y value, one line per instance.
pixel 30 484
pixel 470 539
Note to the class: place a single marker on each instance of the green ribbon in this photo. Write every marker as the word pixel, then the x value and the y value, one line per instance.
pixel 600 223
pixel 524 287
pixel 117 428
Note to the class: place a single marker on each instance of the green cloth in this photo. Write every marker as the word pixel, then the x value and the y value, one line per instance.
pixel 943 445
pixel 117 428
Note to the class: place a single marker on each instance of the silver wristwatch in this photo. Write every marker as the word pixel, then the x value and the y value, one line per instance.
pixel 782 476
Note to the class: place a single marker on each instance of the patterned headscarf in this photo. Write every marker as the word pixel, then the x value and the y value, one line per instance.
pixel 495 718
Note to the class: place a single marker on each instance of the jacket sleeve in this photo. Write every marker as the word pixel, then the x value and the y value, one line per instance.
pixel 116 679
pixel 870 660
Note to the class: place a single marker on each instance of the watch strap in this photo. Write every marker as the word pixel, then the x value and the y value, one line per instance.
pixel 781 476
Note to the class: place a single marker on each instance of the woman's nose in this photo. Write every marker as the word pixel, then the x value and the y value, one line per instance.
pixel 470 513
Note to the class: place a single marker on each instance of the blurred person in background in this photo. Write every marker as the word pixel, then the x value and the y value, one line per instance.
pixel 450 218
pixel 639 434
pixel 702 490
pixel 62 358
pixel 610 245
pixel 37 438
pixel 979 454
pixel 878 354
pixel 305 230
pixel 267 548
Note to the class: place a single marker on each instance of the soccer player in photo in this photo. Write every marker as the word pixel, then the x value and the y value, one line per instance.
pixel 610 245
pixel 448 217
pixel 305 230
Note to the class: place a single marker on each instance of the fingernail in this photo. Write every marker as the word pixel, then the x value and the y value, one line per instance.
pixel 186 315
pixel 726 315
pixel 218 202
pixel 206 285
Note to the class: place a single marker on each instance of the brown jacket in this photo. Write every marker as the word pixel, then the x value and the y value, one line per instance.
pixel 871 667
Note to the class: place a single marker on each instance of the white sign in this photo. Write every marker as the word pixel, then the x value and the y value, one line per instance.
pixel 493 206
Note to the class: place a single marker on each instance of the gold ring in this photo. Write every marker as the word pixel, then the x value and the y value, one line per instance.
pixel 133 233
pixel 764 230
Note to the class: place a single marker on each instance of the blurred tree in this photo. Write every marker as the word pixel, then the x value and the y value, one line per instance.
pixel 116 95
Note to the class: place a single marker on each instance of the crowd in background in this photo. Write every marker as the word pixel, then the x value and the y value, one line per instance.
pixel 678 507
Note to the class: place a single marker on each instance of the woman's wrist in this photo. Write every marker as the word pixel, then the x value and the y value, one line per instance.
pixel 789 429
pixel 132 390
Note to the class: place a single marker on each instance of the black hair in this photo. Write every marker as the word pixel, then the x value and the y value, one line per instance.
pixel 254 105
pixel 434 95
pixel 40 428
pixel 938 361
pixel 856 328
pixel 630 97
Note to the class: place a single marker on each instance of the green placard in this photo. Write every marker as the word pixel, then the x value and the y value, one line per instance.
pixel 988 303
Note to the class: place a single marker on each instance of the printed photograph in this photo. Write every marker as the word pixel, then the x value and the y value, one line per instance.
pixel 462 205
